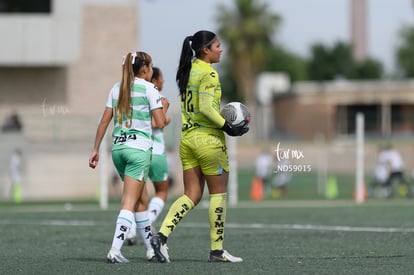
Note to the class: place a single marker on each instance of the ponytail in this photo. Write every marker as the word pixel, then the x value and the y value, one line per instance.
pixel 196 43
pixel 184 67
pixel 131 65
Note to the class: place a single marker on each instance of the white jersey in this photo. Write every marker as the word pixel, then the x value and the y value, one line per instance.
pixel 392 159
pixel 134 130
pixel 381 172
pixel 158 147
pixel 264 165
pixel 15 167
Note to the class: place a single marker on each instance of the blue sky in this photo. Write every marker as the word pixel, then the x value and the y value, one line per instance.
pixel 165 23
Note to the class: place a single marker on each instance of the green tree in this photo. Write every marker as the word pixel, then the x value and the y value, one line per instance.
pixel 405 51
pixel 228 83
pixel 246 29
pixel 278 60
pixel 282 60
pixel 328 63
pixel 369 69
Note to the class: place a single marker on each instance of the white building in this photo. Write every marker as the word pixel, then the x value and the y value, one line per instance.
pixel 58 60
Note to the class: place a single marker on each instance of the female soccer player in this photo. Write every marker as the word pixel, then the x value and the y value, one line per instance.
pixel 158 173
pixel 132 103
pixel 203 150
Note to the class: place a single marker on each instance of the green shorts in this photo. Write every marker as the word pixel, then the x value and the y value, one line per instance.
pixel 158 170
pixel 205 149
pixel 132 162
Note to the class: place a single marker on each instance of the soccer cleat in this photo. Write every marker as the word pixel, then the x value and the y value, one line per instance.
pixel 116 257
pixel 223 256
pixel 150 254
pixel 131 239
pixel 160 249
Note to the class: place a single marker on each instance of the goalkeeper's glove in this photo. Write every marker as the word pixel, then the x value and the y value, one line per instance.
pixel 235 130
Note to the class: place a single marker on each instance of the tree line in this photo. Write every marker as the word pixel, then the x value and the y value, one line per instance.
pixel 248 27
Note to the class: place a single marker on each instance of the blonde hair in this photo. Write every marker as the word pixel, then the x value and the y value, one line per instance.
pixel 131 66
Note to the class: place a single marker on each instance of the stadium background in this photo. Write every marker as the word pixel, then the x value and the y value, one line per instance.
pixel 61 83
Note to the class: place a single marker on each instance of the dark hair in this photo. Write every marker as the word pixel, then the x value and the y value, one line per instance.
pixel 155 73
pixel 196 43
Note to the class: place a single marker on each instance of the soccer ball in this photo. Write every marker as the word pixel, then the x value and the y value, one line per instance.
pixel 235 112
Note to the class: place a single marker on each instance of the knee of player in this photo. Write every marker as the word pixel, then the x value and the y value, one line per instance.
pixel 194 197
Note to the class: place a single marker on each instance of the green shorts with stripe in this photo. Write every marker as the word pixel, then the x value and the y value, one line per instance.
pixel 159 168
pixel 132 162
pixel 204 148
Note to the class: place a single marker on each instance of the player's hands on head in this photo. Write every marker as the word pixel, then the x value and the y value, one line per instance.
pixel 236 129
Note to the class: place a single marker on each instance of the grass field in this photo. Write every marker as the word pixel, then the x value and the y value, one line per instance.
pixel 303 186
pixel 273 237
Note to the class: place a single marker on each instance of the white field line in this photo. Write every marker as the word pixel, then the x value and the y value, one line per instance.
pixel 228 225
pixel 50 222
pixel 314 227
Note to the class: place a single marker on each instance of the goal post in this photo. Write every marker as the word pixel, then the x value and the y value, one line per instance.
pixel 359 169
pixel 104 166
pixel 232 185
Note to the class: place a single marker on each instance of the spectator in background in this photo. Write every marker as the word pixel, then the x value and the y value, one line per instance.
pixel 380 175
pixel 391 157
pixel 12 123
pixel 15 175
pixel 280 181
pixel 264 164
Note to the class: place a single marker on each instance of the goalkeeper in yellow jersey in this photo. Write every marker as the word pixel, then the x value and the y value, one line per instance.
pixel 203 150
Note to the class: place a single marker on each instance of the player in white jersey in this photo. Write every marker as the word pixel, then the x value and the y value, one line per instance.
pixel 134 104
pixel 158 172
pixel 159 166
pixel 395 164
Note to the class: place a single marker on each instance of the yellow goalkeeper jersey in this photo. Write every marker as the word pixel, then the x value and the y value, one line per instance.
pixel 200 105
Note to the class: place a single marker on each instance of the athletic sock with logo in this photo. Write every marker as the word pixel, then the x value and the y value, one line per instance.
pixel 144 227
pixel 217 218
pixel 123 225
pixel 181 207
pixel 154 208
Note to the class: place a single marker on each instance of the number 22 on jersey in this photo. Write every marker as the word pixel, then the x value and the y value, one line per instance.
pixel 186 101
